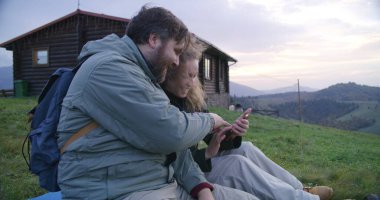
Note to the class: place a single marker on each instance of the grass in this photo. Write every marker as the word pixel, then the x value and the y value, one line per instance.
pixel 16 182
pixel 347 161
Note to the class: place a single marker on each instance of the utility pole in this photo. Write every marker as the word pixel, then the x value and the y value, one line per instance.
pixel 300 117
pixel 299 101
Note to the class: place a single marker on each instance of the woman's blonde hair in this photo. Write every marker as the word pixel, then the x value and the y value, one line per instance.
pixel 195 99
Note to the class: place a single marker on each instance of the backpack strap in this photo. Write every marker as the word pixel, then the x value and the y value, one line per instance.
pixel 82 132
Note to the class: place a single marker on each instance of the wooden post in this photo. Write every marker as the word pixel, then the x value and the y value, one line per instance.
pixel 299 101
pixel 300 117
pixel 4 93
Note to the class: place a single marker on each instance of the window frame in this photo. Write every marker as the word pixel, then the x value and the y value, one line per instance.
pixel 207 68
pixel 35 56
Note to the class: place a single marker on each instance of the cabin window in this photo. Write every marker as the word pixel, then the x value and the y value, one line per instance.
pixel 207 68
pixel 40 56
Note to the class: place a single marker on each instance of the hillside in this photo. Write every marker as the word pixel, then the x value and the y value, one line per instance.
pixel 339 92
pixel 346 161
pixel 346 106
pixel 349 92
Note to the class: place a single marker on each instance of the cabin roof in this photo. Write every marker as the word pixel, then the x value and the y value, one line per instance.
pixel 78 11
pixel 7 44
pixel 231 59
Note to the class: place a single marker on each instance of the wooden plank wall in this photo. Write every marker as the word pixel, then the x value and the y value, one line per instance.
pixel 60 39
pixel 218 67
pixel 64 45
pixel 219 100
pixel 216 88
pixel 209 85
pixel 97 28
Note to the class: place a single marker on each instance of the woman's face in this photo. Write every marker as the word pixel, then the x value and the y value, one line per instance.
pixel 183 80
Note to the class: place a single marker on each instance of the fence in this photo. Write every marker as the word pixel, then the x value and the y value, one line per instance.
pixel 6 93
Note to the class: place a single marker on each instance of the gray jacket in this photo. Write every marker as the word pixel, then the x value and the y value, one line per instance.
pixel 138 127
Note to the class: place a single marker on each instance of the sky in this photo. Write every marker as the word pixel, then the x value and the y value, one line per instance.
pixel 276 42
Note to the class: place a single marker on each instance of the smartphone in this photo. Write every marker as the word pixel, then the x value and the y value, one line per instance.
pixel 245 116
pixel 247 113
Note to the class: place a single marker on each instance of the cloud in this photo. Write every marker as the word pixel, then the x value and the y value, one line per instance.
pixel 275 41
pixel 241 26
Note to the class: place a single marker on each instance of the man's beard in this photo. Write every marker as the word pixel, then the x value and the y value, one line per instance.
pixel 160 64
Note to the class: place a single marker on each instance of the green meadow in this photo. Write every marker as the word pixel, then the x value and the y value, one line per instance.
pixel 347 161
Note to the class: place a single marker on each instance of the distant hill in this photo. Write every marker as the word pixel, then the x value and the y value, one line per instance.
pixel 339 92
pixel 345 105
pixel 240 90
pixel 292 88
pixel 349 92
pixel 243 90
pixel 6 77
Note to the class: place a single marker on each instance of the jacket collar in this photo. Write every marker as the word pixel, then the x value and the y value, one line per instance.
pixel 178 102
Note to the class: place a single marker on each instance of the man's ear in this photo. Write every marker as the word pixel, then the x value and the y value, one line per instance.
pixel 154 40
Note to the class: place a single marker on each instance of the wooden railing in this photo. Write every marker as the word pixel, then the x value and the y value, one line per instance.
pixel 6 93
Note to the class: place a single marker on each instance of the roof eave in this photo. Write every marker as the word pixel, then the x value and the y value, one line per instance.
pixel 230 58
pixel 78 11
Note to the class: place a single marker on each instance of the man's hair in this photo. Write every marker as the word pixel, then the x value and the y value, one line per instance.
pixel 156 20
pixel 195 99
pixel 193 50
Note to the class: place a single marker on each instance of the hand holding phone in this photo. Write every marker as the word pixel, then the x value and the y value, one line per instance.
pixel 238 127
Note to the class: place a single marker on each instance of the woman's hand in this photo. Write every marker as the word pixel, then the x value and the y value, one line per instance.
pixel 205 194
pixel 241 125
pixel 214 145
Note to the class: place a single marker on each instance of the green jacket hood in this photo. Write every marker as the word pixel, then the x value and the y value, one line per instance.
pixel 123 46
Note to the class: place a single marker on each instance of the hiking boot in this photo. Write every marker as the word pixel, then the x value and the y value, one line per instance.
pixel 324 192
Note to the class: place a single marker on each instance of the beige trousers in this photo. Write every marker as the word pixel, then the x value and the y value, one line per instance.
pixel 176 192
pixel 248 169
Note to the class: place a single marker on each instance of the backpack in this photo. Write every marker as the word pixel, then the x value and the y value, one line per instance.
pixel 43 151
pixel 372 197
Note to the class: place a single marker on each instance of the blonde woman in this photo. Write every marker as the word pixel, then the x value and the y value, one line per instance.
pixel 227 160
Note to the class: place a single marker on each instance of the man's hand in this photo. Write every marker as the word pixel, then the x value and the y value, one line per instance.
pixel 205 194
pixel 214 145
pixel 219 121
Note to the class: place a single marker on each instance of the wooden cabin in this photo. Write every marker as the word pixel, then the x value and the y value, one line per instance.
pixel 39 52
pixel 214 75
